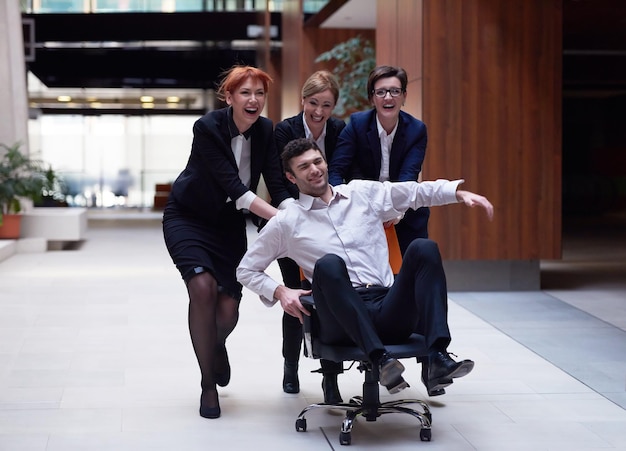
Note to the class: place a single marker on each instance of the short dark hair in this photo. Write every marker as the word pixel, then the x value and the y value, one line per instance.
pixel 385 72
pixel 295 148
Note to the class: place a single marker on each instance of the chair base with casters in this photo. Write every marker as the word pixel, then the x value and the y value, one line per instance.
pixel 367 405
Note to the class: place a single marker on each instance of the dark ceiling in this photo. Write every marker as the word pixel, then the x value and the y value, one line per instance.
pixel 594 45
pixel 190 50
pixel 141 50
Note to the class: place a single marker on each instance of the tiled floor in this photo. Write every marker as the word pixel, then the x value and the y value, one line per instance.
pixel 95 355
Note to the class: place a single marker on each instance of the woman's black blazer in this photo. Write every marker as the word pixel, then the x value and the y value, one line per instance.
pixel 211 176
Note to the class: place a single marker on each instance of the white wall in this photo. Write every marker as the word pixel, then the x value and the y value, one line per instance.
pixel 13 94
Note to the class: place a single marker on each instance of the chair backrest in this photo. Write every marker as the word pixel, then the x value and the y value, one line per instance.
pixel 395 256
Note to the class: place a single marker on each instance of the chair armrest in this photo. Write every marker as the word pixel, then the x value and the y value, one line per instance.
pixel 308 301
pixel 307 327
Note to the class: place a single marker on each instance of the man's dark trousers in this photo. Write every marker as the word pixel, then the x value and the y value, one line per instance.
pixel 416 302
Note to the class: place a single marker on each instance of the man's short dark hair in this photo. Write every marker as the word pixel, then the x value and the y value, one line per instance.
pixel 295 148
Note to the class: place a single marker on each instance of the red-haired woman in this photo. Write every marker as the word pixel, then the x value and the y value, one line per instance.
pixel 204 225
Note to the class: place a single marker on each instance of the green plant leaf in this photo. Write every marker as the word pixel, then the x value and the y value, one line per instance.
pixel 21 177
pixel 354 59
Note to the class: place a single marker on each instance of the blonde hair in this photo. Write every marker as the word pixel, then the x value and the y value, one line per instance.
pixel 321 81
pixel 237 75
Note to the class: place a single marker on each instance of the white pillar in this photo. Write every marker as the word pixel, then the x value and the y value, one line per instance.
pixel 13 91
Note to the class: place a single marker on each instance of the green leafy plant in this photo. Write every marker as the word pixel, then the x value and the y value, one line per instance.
pixel 354 60
pixel 20 177
pixel 53 191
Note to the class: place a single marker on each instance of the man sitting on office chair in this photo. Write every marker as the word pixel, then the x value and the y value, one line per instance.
pixel 336 235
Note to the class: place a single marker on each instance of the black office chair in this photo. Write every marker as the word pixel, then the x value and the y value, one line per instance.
pixel 367 405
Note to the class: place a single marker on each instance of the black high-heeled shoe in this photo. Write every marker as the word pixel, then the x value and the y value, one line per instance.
pixel 210 412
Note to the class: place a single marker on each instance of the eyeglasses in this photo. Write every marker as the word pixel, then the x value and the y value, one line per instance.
pixel 395 92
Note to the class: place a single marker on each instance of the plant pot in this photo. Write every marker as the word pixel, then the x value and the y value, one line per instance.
pixel 10 228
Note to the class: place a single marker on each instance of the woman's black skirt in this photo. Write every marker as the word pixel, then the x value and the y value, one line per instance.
pixel 197 245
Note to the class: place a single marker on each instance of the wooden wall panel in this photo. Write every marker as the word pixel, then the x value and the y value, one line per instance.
pixel 386 36
pixel 492 99
pixel 270 61
pixel 274 101
pixel 399 43
pixel 291 62
pixel 485 76
pixel 410 53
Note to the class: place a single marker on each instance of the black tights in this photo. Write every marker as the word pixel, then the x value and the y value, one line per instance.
pixel 212 317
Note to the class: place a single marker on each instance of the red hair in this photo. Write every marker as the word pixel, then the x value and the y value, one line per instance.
pixel 237 75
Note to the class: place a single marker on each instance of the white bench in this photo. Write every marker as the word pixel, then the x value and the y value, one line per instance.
pixel 7 248
pixel 57 225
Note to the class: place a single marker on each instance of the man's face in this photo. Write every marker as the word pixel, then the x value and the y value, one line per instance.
pixel 310 173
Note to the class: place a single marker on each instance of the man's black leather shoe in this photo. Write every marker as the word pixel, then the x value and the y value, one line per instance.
pixel 331 389
pixel 291 383
pixel 390 374
pixel 438 370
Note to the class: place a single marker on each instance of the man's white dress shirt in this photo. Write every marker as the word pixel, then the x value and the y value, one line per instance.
pixel 350 226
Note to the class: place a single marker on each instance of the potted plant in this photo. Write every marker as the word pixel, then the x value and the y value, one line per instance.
pixel 20 178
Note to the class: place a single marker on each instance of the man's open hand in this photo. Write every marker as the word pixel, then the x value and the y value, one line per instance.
pixel 472 200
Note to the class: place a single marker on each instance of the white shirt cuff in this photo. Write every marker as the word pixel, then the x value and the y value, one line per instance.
pixel 245 201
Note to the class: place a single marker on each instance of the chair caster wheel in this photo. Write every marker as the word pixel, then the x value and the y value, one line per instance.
pixel 301 425
pixel 345 438
pixel 425 435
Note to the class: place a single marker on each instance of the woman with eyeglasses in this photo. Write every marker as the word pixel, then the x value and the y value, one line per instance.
pixel 204 224
pixel 385 144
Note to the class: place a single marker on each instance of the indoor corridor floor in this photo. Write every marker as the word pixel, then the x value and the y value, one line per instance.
pixel 95 355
